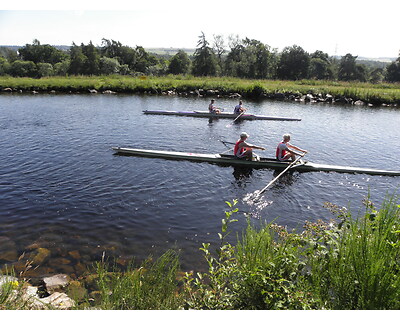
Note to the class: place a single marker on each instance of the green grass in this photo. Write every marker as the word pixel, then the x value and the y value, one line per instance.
pixel 370 93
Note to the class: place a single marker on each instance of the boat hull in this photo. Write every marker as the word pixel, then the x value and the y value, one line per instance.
pixel 222 115
pixel 263 163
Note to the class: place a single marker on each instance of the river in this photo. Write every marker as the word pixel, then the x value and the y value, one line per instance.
pixel 65 194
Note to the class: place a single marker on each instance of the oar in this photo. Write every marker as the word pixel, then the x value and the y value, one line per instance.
pixel 226 142
pixel 277 177
pixel 230 125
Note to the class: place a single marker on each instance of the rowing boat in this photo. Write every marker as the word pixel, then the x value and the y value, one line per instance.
pixel 222 115
pixel 225 159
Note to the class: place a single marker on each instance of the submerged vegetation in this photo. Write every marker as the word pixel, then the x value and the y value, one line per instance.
pixel 349 263
pixel 220 86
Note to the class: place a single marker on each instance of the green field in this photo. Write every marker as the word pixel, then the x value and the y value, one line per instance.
pixel 383 93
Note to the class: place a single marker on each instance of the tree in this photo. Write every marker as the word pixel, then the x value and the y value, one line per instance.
pixel 37 53
pixel 9 54
pixel 44 69
pixel 294 63
pixel 179 63
pixel 204 61
pixel 4 66
pixel 109 65
pixel 320 66
pixel 219 48
pixel 78 60
pixel 393 71
pixel 250 59
pixel 347 68
pixel 61 68
pixel 23 69
pixel 92 63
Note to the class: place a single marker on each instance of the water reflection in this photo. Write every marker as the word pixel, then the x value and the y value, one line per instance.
pixel 242 174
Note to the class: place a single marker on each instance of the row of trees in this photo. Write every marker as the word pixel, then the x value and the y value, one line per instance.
pixel 243 58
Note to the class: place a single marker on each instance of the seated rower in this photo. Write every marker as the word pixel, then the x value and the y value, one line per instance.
pixel 239 108
pixel 212 108
pixel 285 150
pixel 245 150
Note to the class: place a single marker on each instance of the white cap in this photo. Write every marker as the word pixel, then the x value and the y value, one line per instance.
pixel 244 135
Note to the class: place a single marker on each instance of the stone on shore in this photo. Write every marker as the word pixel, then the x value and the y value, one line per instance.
pixel 57 282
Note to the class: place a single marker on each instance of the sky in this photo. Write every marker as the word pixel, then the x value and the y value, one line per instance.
pixel 337 27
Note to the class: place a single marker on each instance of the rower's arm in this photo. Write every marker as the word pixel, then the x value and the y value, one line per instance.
pixel 298 149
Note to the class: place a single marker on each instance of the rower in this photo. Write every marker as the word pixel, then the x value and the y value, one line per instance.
pixel 285 150
pixel 245 150
pixel 212 108
pixel 239 108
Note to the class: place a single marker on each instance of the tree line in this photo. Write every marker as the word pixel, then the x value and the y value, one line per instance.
pixel 232 57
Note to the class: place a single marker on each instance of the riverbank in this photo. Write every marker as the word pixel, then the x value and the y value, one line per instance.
pixel 302 91
pixel 347 263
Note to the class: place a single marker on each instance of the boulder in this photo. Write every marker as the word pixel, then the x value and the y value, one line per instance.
pixel 359 103
pixel 41 256
pixel 56 282
pixel 309 98
pixel 57 300
pixel 92 91
pixel 329 98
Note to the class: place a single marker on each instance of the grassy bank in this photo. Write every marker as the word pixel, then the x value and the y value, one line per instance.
pixel 367 92
pixel 346 263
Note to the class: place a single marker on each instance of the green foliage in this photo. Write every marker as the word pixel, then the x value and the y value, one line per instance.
pixel 4 67
pixel 151 287
pixel 250 59
pixel 393 71
pixel 294 63
pixel 23 69
pixel 352 264
pixel 44 69
pixel 204 60
pixel 109 66
pixel 179 63
pixel 38 53
pixel 358 268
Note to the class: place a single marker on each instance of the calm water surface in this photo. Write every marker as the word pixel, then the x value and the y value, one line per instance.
pixel 63 189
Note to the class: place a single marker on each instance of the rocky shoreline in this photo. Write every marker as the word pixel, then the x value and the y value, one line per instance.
pixel 280 96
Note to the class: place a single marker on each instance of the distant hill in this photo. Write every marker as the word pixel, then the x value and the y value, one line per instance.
pixel 170 51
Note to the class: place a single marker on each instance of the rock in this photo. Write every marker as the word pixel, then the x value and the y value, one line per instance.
pixel 9 256
pixel 92 91
pixel 41 256
pixel 309 98
pixel 359 103
pixel 235 96
pixel 279 96
pixel 56 282
pixel 58 300
pixel 75 254
pixel 329 98
pixel 109 92
pixel 7 90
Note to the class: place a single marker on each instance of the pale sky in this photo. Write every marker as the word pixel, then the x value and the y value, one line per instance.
pixel 366 29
